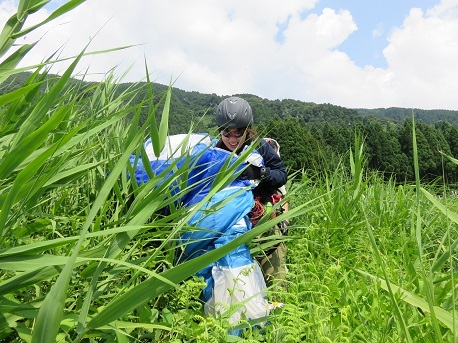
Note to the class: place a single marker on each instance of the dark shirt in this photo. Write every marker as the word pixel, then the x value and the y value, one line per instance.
pixel 276 171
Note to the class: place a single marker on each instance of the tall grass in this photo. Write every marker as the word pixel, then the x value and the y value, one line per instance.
pixel 86 254
pixel 374 263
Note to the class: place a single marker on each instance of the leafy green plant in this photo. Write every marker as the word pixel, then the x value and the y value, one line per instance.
pixel 356 272
pixel 87 255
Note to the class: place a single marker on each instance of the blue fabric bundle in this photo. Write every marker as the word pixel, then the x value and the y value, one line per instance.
pixel 235 277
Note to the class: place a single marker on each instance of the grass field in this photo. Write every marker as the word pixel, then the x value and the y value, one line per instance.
pixel 86 255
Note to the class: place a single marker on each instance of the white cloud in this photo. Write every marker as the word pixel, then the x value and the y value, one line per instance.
pixel 229 47
pixel 422 56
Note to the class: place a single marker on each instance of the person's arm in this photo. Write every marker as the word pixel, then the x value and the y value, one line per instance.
pixel 276 171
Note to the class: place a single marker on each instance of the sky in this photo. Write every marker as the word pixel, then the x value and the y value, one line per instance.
pixel 352 53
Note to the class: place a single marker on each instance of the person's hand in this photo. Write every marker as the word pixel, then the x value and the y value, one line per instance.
pixel 283 226
pixel 255 173
pixel 252 173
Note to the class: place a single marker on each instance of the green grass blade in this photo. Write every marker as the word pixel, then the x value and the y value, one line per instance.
pixel 13 60
pixel 5 73
pixel 153 131
pixel 66 7
pixel 442 315
pixel 30 170
pixel 67 176
pixel 59 242
pixel 41 109
pixel 428 283
pixel 84 136
pixel 57 294
pixel 453 217
pixel 31 142
pixel 16 94
pixel 32 262
pixel 120 240
pixel 454 160
pixel 21 9
pixel 51 312
pixel 397 311
pixel 12 25
pixel 163 126
pixel 28 278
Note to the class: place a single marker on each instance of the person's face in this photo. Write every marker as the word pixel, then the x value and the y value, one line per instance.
pixel 233 138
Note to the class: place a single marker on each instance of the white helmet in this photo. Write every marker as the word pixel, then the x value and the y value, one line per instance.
pixel 274 144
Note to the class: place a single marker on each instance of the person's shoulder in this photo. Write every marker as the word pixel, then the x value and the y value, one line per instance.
pixel 261 143
pixel 264 147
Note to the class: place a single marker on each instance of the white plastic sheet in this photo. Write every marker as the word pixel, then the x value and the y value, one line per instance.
pixel 244 286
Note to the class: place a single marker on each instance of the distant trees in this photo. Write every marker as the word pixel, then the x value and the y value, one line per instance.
pixel 399 114
pixel 389 146
pixel 450 133
pixel 384 150
pixel 298 147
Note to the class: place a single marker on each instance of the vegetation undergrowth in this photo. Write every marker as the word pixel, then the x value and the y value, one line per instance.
pixel 88 255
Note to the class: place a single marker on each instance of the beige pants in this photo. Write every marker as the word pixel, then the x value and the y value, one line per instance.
pixel 273 265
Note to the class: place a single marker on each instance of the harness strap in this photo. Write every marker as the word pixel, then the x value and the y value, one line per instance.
pixel 259 208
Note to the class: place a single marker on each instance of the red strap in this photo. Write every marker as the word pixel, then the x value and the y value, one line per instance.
pixel 275 198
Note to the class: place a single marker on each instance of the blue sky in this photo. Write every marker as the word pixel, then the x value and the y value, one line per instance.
pixel 366 53
pixel 374 19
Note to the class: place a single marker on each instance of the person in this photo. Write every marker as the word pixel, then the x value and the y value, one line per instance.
pixel 276 146
pixel 234 118
pixel 282 190
pixel 275 260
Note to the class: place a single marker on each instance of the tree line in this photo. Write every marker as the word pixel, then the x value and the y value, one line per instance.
pixel 388 146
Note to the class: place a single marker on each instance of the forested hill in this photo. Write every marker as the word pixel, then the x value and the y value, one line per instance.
pixel 199 108
pixel 315 136
pixel 399 114
pixel 192 105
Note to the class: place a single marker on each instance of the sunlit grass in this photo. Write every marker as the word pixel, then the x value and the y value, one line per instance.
pixel 357 267
pixel 87 255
